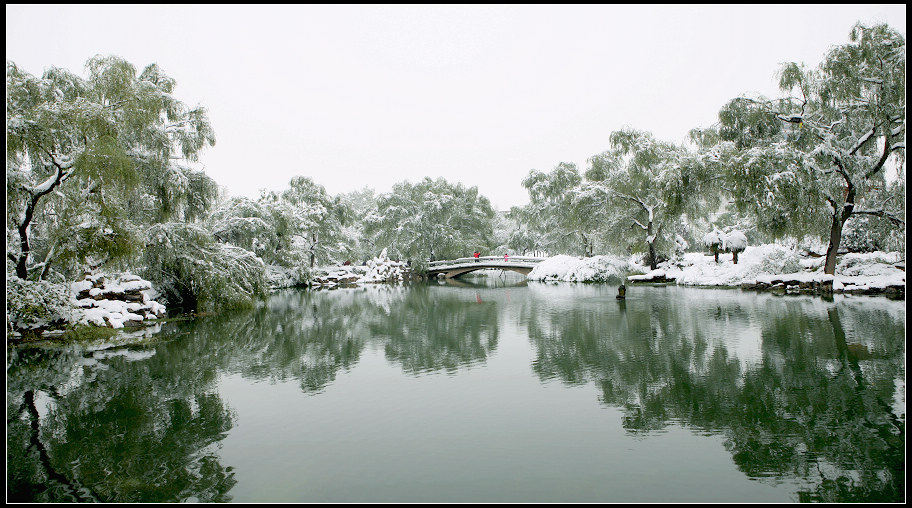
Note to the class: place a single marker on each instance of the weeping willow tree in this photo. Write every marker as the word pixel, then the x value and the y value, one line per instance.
pixel 314 220
pixel 557 218
pixel 643 187
pixel 92 161
pixel 431 219
pixel 813 160
pixel 195 272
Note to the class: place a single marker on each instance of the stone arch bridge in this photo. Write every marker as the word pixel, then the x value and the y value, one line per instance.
pixel 456 267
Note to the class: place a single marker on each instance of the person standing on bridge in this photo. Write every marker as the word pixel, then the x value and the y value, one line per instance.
pixel 505 257
pixel 476 255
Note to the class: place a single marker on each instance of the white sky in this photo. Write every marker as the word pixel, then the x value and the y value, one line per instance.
pixel 371 95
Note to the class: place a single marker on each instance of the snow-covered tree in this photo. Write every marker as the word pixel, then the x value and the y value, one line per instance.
pixel 504 229
pixel 311 220
pixel 813 160
pixel 713 241
pixel 248 224
pixel 734 242
pixel 642 188
pixel 359 205
pixel 522 239
pixel 84 154
pixel 431 219
pixel 557 215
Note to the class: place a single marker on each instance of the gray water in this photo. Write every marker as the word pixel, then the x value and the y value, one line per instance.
pixel 489 389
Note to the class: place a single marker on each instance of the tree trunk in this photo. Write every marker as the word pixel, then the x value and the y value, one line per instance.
pixel 24 245
pixel 735 257
pixel 652 252
pixel 829 266
pixel 839 220
pixel 313 246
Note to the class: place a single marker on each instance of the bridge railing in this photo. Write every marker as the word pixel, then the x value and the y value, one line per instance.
pixel 497 259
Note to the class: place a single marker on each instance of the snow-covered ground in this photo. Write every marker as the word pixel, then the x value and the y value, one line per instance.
pixel 763 264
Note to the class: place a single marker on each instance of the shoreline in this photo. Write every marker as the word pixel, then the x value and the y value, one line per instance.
pixel 783 285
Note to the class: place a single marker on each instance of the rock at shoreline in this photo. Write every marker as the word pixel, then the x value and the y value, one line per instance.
pixel 657 275
pixel 115 302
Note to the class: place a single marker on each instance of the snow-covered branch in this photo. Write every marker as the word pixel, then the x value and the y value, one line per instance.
pixel 862 140
pixel 882 214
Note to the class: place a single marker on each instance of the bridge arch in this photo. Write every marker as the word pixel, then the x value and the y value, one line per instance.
pixel 457 267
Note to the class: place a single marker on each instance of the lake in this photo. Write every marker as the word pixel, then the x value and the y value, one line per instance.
pixel 487 389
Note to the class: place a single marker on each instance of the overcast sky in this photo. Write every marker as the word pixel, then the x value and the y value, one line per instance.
pixel 371 95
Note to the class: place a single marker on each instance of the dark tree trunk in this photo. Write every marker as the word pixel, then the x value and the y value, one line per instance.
pixel 839 220
pixel 652 253
pixel 313 246
pixel 24 245
pixel 829 266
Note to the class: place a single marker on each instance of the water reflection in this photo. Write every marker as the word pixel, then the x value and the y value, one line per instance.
pixel 775 375
pixel 798 387
pixel 114 425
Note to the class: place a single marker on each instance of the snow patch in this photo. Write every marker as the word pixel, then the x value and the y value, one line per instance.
pixel 573 269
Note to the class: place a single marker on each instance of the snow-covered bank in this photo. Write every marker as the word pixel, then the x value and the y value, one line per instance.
pixel 761 266
pixel 768 266
pixel 103 300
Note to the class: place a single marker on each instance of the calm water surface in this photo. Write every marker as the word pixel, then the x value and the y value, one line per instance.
pixel 486 390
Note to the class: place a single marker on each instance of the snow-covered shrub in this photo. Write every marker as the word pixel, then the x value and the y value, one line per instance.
pixel 713 241
pixel 854 264
pixel 870 234
pixel 734 242
pixel 284 277
pixel 32 305
pixel 681 245
pixel 780 261
pixel 573 269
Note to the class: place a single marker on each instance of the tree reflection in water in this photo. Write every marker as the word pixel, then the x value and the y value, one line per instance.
pixel 115 425
pixel 808 404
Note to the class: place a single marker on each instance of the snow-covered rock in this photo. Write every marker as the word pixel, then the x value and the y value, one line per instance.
pixel 114 300
pixel 378 269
